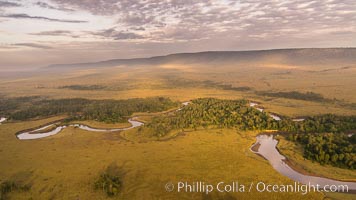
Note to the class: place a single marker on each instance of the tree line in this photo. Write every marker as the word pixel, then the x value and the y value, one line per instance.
pixel 328 148
pixel 109 111
pixel 209 112
pixel 308 96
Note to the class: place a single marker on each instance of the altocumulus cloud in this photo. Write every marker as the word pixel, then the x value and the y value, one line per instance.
pixel 131 28
pixel 49 6
pixel 8 4
pixel 200 19
pixel 25 16
pixel 56 33
pixel 117 35
pixel 32 45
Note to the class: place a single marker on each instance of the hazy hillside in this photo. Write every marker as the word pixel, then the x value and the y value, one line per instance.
pixel 327 57
pixel 272 76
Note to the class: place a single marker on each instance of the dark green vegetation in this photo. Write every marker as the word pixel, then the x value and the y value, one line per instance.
pixel 210 112
pixel 230 87
pixel 333 148
pixel 308 96
pixel 9 186
pixel 328 148
pixel 8 105
pixel 320 124
pixel 175 82
pixel 84 87
pixel 110 181
pixel 238 114
pixel 83 109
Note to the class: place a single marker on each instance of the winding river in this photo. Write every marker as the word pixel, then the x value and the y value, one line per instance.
pixel 267 149
pixel 31 135
pixel 255 105
pixel 274 116
pixel 37 134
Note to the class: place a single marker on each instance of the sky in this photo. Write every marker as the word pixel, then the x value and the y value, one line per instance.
pixel 36 33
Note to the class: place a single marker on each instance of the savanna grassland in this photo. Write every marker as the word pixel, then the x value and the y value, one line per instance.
pixel 66 165
pixel 70 165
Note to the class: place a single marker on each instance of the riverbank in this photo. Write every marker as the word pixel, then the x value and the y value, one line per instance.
pixel 268 149
pixel 294 154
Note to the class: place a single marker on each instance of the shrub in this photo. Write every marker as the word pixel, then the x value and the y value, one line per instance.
pixel 110 181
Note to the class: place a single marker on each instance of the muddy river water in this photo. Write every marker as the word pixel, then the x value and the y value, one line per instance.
pixel 267 149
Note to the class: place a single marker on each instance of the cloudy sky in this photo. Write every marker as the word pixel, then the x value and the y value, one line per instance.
pixel 40 32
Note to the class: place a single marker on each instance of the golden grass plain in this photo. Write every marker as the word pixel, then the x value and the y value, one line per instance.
pixel 65 166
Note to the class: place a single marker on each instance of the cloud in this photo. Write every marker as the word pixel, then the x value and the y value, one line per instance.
pixel 127 35
pixel 7 47
pixel 103 7
pixel 137 19
pixel 25 16
pixel 56 33
pixel 8 4
pixel 33 45
pixel 341 32
pixel 112 33
pixel 48 6
pixel 150 27
pixel 199 19
pixel 53 33
pixel 182 20
pixel 138 28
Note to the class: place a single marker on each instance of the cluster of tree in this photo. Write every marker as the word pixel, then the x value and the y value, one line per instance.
pixel 8 105
pixel 327 123
pixel 308 96
pixel 238 114
pixel 174 82
pixel 102 110
pixel 230 87
pixel 210 112
pixel 328 148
